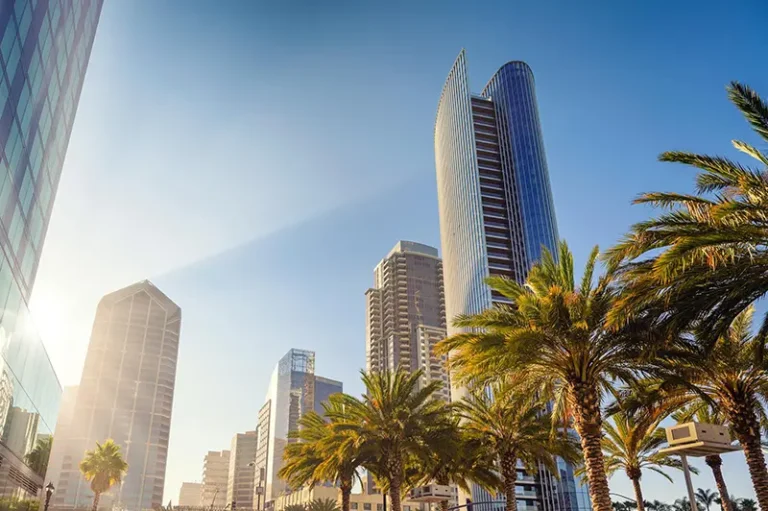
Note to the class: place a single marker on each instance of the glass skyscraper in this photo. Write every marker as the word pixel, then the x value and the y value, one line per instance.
pixel 496 215
pixel 293 390
pixel 44 51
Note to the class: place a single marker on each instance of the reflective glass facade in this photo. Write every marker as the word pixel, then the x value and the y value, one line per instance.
pixel 496 214
pixel 293 390
pixel 126 394
pixel 44 51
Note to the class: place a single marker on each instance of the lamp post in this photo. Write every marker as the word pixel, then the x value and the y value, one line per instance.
pixel 49 489
pixel 258 490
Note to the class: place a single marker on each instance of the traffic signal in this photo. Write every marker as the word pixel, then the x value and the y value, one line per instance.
pixel 234 505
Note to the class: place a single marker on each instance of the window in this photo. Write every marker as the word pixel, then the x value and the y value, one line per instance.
pixel 366 506
pixel 353 505
pixel 8 39
pixel 378 507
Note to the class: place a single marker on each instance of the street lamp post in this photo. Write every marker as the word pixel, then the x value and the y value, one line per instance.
pixel 49 489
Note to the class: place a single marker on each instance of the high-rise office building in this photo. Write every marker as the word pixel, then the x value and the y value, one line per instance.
pixel 496 214
pixel 44 50
pixel 242 462
pixel 215 479
pixel 405 313
pixel 126 393
pixel 293 391
pixel 189 495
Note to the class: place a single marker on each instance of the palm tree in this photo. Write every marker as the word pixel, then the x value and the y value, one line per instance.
pixel 631 443
pixel 103 467
pixel 705 497
pixel 554 338
pixel 731 375
pixel 701 411
pixel 459 458
pixel 657 505
pixel 683 505
pixel 705 258
pixel 747 505
pixel 514 427
pixel 323 453
pixel 37 458
pixel 323 505
pixel 397 421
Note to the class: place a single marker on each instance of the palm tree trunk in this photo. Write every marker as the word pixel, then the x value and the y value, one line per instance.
pixel 346 490
pixel 638 493
pixel 395 481
pixel 747 430
pixel 96 496
pixel 509 474
pixel 715 462
pixel 588 422
pixel 444 482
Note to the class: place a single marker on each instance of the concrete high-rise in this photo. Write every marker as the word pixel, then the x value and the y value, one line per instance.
pixel 405 313
pixel 293 391
pixel 125 393
pixel 45 46
pixel 242 461
pixel 215 478
pixel 496 213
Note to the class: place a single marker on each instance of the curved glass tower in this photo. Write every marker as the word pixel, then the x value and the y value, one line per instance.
pixel 496 215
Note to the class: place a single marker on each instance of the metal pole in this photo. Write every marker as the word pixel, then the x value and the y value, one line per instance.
pixel 688 482
pixel 384 499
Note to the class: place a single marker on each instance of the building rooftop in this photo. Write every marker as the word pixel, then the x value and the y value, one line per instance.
pixel 412 247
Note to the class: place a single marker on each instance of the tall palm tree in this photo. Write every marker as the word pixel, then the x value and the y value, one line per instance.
pixel 554 338
pixel 397 421
pixel 515 427
pixel 104 467
pixel 704 260
pixel 459 458
pixel 705 497
pixel 631 443
pixel 701 411
pixel 731 375
pixel 323 453
pixel 37 458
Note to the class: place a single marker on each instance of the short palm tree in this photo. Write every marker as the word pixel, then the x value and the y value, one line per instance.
pixel 701 411
pixel 37 458
pixel 104 467
pixel 553 337
pixel 323 505
pixel 323 453
pixel 631 443
pixel 747 505
pixel 397 421
pixel 705 259
pixel 657 505
pixel 515 427
pixel 705 497
pixel 459 458
pixel 732 376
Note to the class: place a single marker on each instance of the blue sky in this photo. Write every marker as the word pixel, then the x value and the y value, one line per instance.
pixel 256 160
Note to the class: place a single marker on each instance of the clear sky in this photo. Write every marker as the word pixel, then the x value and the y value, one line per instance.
pixel 257 159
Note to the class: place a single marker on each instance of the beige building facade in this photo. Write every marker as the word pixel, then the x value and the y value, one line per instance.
pixel 242 461
pixel 215 478
pixel 190 494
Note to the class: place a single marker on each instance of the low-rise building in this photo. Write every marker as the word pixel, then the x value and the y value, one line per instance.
pixel 357 501
pixel 190 494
